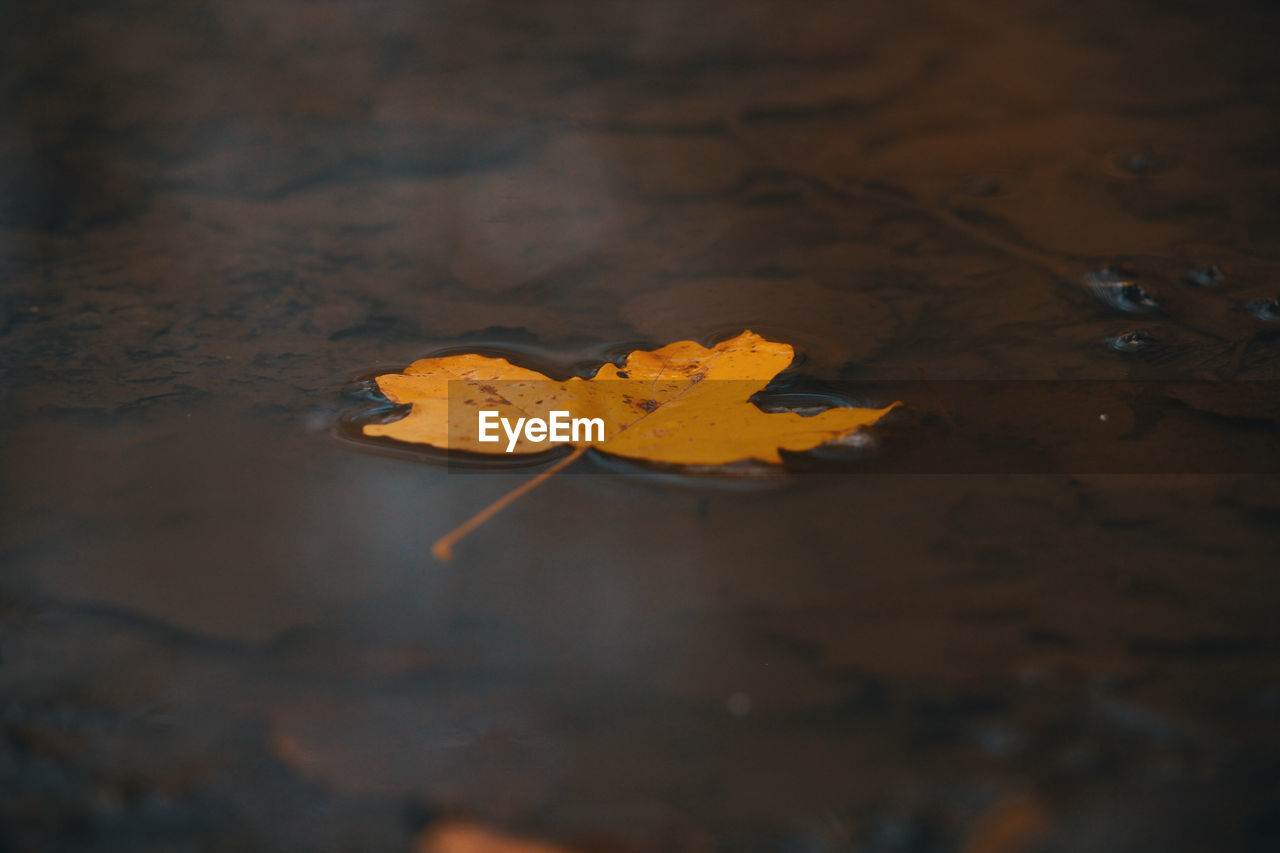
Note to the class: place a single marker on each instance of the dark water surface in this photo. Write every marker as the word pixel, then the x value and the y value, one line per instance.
pixel 220 623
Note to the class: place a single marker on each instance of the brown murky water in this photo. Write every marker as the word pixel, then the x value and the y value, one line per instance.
pixel 222 627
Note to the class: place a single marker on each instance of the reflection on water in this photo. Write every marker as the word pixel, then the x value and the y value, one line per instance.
pixel 221 624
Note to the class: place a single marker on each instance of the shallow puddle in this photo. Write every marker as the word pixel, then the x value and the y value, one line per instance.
pixel 1033 610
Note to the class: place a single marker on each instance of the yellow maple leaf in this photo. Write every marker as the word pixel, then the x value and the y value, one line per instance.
pixel 682 404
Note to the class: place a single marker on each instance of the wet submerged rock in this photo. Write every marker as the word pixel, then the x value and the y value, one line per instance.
pixel 1131 341
pixel 1206 276
pixel 1267 310
pixel 1118 288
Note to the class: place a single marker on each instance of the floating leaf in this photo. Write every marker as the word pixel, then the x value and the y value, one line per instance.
pixel 682 404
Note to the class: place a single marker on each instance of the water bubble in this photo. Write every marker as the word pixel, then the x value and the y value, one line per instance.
pixel 1131 341
pixel 1206 276
pixel 1267 310
pixel 1115 286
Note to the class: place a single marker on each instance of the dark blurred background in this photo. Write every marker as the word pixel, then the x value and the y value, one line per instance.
pixel 220 624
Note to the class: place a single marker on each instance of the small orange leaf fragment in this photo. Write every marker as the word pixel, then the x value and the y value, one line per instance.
pixel 467 838
pixel 1012 825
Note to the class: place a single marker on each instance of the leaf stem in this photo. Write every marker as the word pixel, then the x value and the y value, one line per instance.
pixel 443 549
